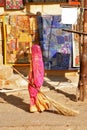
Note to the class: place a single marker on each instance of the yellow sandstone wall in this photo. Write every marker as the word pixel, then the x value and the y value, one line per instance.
pixel 45 9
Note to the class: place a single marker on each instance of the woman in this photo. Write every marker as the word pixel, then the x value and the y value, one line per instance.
pixel 38 102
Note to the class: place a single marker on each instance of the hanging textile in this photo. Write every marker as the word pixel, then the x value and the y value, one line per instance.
pixel 14 4
pixel 56 44
pixel 2 3
pixel 21 33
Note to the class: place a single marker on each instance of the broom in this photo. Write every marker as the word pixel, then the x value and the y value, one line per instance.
pixel 61 109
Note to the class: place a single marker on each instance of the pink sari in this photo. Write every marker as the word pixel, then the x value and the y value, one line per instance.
pixel 36 76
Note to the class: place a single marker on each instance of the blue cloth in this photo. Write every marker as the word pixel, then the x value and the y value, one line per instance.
pixel 56 44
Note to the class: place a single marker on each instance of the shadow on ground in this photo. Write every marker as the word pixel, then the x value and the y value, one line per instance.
pixel 16 101
pixel 60 80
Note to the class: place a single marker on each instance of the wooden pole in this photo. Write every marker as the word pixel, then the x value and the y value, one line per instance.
pixel 83 62
pixel 83 49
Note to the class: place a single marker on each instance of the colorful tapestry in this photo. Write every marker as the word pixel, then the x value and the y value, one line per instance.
pixel 23 22
pixel 14 4
pixel 56 44
pixel 2 3
pixel 21 32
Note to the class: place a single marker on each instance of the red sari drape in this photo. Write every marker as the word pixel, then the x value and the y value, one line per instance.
pixel 36 76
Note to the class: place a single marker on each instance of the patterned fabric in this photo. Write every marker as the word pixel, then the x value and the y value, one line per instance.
pixel 2 2
pixel 18 37
pixel 61 61
pixel 55 43
pixel 14 4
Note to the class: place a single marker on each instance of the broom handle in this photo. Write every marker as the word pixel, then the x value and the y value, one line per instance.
pixel 33 85
pixel 19 73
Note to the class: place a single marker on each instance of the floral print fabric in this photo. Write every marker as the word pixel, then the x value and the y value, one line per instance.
pixel 14 4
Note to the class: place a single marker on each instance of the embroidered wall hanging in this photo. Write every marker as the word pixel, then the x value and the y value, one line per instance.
pixel 21 32
pixel 14 4
pixel 56 45
pixel 1 3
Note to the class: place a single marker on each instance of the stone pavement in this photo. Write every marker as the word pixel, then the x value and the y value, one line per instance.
pixel 62 81
pixel 14 107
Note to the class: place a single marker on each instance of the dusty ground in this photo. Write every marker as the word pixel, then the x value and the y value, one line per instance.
pixel 14 108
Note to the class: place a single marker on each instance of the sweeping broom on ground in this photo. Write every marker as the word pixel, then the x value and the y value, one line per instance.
pixel 61 109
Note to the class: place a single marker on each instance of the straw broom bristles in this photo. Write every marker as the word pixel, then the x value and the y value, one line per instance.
pixel 61 109
pixel 42 103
